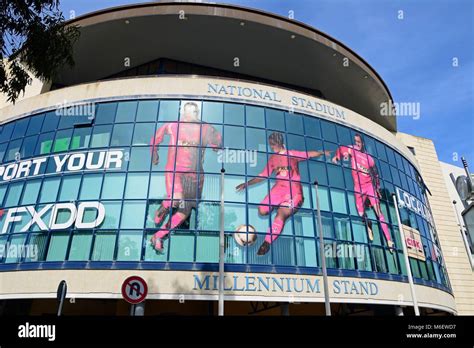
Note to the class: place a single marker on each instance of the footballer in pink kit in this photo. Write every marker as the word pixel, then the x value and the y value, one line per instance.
pixel 366 183
pixel 184 162
pixel 286 195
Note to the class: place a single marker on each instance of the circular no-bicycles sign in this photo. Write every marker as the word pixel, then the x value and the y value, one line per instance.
pixel 134 289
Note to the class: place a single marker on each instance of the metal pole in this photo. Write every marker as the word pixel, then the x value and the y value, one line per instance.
pixel 60 309
pixel 399 311
pixel 285 309
pixel 321 253
pixel 61 295
pixel 405 253
pixel 466 167
pixel 221 248
pixel 139 309
pixel 464 234
pixel 464 203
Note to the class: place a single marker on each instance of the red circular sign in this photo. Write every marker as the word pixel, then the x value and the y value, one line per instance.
pixel 134 289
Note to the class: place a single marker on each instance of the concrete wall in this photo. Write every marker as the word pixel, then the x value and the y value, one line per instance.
pixel 166 285
pixel 457 261
pixel 34 88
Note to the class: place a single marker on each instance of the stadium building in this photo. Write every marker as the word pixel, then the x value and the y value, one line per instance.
pixel 114 167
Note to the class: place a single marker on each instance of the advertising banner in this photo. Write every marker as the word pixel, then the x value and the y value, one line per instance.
pixel 413 242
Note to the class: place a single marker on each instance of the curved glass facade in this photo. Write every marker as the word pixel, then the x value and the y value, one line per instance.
pixel 168 180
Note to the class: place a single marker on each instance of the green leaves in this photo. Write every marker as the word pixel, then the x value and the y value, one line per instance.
pixel 35 39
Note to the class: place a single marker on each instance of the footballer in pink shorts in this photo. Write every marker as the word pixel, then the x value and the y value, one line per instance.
pixel 286 195
pixel 184 162
pixel 366 183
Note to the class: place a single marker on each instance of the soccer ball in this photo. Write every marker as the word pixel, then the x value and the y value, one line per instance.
pixel 245 235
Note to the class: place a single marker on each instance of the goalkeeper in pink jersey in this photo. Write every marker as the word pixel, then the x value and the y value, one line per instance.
pixel 286 195
pixel 366 183
pixel 185 159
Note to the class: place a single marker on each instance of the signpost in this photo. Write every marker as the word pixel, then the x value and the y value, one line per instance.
pixel 134 291
pixel 61 295
pixel 221 248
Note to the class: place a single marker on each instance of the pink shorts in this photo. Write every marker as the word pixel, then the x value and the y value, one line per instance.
pixel 281 196
pixel 186 184
pixel 367 192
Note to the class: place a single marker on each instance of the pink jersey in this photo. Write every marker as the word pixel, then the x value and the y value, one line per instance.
pixel 184 142
pixel 361 162
pixel 365 182
pixel 285 169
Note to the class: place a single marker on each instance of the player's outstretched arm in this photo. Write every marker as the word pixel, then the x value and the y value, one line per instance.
pixel 313 154
pixel 253 181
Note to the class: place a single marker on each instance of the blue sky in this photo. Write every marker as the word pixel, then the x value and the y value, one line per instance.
pixel 414 55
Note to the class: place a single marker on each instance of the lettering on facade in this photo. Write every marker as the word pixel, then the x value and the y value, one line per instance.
pixel 61 216
pixel 410 202
pixel 282 284
pixel 272 96
pixel 69 162
pixel 237 91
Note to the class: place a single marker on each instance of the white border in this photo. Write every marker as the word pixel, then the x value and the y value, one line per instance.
pixel 297 300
